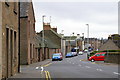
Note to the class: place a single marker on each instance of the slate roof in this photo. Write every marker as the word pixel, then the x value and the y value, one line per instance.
pixel 70 37
pixel 24 6
pixel 72 43
pixel 38 41
pixel 117 43
pixel 50 38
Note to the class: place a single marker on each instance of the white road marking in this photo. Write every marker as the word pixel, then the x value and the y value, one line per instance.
pixel 116 73
pixel 42 69
pixel 87 67
pixel 37 68
pixel 99 69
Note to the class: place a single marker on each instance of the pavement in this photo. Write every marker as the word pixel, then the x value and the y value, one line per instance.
pixel 33 70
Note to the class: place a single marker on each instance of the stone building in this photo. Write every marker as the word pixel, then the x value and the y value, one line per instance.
pixel 9 23
pixel 113 43
pixel 27 33
pixel 0 41
pixel 53 40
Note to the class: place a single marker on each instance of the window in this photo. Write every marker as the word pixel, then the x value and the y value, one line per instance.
pixel 102 54
pixel 98 55
pixel 7 3
pixel 15 45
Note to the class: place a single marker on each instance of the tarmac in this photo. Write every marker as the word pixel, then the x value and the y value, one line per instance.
pixel 34 70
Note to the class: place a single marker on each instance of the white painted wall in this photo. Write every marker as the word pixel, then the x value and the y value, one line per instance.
pixel 0 40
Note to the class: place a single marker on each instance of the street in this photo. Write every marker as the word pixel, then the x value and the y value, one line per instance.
pixel 74 67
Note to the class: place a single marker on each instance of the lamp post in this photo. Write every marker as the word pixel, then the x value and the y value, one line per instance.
pixel 88 34
pixel 70 39
pixel 43 32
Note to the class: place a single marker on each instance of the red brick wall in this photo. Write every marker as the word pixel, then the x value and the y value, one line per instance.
pixel 47 26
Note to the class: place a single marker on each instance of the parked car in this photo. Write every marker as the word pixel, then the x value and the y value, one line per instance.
pixel 85 51
pixel 97 57
pixel 57 56
pixel 80 53
pixel 69 55
pixel 74 53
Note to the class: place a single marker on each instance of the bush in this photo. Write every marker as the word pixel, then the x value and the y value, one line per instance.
pixel 94 52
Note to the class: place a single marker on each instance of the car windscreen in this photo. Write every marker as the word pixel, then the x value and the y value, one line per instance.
pixel 56 54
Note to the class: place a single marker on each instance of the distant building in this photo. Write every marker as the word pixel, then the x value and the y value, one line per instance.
pixel 70 42
pixel 52 38
pixel 113 43
pixel 27 33
pixel 8 39
pixel 93 43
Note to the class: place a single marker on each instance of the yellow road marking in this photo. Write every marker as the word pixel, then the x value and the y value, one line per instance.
pixel 47 65
pixel 47 75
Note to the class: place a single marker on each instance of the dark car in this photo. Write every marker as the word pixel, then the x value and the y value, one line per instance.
pixel 57 56
pixel 69 55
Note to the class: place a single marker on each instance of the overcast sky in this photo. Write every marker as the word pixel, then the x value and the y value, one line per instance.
pixel 102 17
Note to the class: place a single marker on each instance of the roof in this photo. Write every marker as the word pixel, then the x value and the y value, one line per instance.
pixel 38 41
pixel 72 43
pixel 52 38
pixel 24 6
pixel 70 37
pixel 117 43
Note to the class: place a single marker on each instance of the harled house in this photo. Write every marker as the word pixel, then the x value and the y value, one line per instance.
pixel 9 24
pixel 27 33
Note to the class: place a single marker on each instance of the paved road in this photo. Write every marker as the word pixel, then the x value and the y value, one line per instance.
pixel 78 67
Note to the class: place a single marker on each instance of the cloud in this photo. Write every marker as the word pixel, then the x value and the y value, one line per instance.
pixel 101 16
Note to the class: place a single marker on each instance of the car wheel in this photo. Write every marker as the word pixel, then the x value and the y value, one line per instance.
pixel 52 60
pixel 92 60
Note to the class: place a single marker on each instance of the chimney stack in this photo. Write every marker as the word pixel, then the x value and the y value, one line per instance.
pixel 46 26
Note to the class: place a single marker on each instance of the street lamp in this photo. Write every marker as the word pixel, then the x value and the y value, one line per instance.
pixel 88 34
pixel 43 32
pixel 70 39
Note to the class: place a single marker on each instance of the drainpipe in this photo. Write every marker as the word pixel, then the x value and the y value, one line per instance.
pixel 19 36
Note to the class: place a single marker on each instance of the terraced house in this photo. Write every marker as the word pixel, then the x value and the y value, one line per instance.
pixel 27 33
pixel 8 39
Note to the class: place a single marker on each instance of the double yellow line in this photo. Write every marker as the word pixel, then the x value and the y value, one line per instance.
pixel 47 75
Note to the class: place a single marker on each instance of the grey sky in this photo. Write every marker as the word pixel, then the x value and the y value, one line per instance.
pixel 102 17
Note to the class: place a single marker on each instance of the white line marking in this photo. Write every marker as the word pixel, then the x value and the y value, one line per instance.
pixel 42 69
pixel 116 73
pixel 37 68
pixel 87 67
pixel 99 69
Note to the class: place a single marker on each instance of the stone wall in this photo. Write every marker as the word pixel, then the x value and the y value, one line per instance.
pixel 112 57
pixel 9 39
